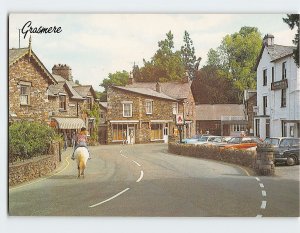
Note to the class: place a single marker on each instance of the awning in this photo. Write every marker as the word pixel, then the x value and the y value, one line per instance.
pixel 69 123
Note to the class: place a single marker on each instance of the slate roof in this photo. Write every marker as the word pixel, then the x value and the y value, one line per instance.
pixel 176 90
pixel 146 91
pixel 54 90
pixel 16 54
pixel 58 78
pixel 279 51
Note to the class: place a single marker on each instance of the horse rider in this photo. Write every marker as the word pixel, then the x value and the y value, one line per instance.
pixel 81 141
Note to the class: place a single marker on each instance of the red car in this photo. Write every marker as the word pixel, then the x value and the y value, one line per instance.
pixel 242 142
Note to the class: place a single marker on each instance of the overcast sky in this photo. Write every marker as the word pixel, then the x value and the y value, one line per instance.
pixel 95 45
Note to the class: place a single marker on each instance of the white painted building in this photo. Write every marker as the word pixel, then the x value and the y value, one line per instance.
pixel 278 92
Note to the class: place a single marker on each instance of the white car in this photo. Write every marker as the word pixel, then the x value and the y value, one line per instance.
pixel 207 140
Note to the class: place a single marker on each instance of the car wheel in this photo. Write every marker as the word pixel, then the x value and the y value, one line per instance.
pixel 291 161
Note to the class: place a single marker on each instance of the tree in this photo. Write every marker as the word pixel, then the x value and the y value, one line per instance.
pixel 293 20
pixel 118 79
pixel 236 57
pixel 210 87
pixel 165 65
pixel 190 61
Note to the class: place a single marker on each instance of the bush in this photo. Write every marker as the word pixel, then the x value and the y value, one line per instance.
pixel 29 139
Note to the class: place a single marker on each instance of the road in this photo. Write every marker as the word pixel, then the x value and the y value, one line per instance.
pixel 145 180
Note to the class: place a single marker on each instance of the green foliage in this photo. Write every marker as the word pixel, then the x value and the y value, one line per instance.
pixel 190 61
pixel 95 113
pixel 165 65
pixel 236 57
pixel 293 20
pixel 28 139
pixel 210 86
pixel 116 79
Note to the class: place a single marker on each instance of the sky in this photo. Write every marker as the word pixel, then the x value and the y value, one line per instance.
pixel 94 45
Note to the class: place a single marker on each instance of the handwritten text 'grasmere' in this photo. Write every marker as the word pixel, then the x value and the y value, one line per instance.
pixel 39 30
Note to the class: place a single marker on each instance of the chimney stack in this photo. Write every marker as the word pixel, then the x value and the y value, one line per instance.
pixel 268 40
pixel 63 70
pixel 130 79
pixel 158 87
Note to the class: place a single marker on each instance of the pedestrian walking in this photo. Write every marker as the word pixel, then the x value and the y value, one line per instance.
pixel 65 140
pixel 124 137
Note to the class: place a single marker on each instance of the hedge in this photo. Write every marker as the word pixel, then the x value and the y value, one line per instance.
pixel 241 157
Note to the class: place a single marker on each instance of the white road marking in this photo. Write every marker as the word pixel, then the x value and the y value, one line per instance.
pixel 263 204
pixel 141 177
pixel 124 156
pixel 120 151
pixel 257 178
pixel 259 216
pixel 261 185
pixel 264 193
pixel 109 199
pixel 136 163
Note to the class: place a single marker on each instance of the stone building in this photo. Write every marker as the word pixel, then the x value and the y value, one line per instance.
pixel 139 115
pixel 250 103
pixel 102 129
pixel 182 93
pixel 28 83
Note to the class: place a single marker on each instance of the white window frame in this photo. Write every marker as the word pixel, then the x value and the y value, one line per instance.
pixel 27 86
pixel 149 107
pixel 65 107
pixel 130 109
pixel 175 107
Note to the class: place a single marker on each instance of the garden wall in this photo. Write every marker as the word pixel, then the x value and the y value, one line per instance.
pixel 240 157
pixel 36 167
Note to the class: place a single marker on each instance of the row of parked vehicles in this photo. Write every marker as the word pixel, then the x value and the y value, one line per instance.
pixel 286 149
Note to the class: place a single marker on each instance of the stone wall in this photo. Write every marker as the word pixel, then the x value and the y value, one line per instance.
pixel 28 71
pixel 34 168
pixel 240 157
pixel 162 110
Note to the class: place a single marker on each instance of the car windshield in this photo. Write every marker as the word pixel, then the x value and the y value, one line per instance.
pixel 217 139
pixel 272 141
pixel 234 140
pixel 203 139
pixel 288 142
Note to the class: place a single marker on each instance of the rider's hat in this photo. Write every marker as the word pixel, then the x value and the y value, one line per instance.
pixel 83 129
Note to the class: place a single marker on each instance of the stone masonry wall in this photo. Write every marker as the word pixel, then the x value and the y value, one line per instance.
pixel 28 71
pixel 162 110
pixel 40 166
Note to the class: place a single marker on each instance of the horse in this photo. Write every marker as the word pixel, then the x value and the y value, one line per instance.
pixel 81 155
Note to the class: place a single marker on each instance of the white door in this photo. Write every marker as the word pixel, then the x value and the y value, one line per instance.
pixel 131 135
pixel 166 133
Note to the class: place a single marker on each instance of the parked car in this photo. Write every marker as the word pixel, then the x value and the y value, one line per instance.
pixel 207 139
pixel 286 149
pixel 242 142
pixel 219 141
pixel 191 140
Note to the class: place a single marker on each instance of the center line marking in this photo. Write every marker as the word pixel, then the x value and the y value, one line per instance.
pixel 257 178
pixel 136 163
pixel 264 193
pixel 261 185
pixel 141 177
pixel 124 156
pixel 118 194
pixel 263 204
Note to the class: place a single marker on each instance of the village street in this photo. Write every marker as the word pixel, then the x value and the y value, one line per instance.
pixel 145 180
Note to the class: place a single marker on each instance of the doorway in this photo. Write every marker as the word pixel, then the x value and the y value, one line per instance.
pixel 166 133
pixel 131 135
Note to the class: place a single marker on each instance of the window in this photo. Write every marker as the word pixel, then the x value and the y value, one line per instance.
pixel 62 102
pixel 127 109
pixel 257 132
pixel 156 132
pixel 265 77
pixel 283 70
pixel 238 128
pixel 119 132
pixel 283 98
pixel 149 106
pixel 175 108
pixel 265 104
pixel 89 103
pixel 24 94
pixel 267 128
pixel 284 129
pixel 273 78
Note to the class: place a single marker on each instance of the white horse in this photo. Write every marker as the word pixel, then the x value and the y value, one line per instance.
pixel 81 155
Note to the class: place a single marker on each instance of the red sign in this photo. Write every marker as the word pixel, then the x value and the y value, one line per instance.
pixel 179 119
